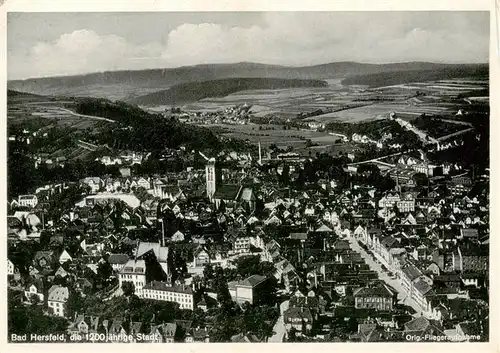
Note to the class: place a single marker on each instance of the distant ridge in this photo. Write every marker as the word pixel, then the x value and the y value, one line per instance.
pixel 127 84
pixel 193 91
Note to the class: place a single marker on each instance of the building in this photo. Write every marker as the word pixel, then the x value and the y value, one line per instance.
pixel 58 296
pixel 34 290
pixel 28 200
pixel 212 176
pixel 300 319
pixel 117 261
pixel 181 294
pixel 247 290
pixel 94 183
pixel 10 268
pixel 133 271
pixel 377 297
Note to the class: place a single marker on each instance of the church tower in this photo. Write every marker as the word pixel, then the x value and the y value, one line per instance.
pixel 211 177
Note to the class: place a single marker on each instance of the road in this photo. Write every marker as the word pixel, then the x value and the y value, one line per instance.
pixel 461 132
pixel 86 116
pixel 279 327
pixel 377 159
pixel 70 111
pixel 382 275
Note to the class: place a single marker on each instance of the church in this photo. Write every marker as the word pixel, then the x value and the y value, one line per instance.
pixel 229 195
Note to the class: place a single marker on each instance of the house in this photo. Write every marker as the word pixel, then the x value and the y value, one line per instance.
pixel 201 257
pixel 162 291
pixel 248 289
pixel 370 332
pixel 61 272
pixel 94 183
pixel 163 333
pixel 57 298
pixel 64 257
pixel 197 335
pixel 10 268
pixel 27 200
pixel 469 331
pixel 422 329
pixel 299 318
pixel 377 296
pixel 84 325
pixel 34 290
pixel 133 271
pixel 178 236
pixel 117 261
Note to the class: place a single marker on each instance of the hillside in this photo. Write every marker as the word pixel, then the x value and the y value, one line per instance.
pixel 194 91
pixel 395 78
pixel 122 85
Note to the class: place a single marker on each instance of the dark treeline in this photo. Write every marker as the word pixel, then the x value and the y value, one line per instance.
pixel 194 91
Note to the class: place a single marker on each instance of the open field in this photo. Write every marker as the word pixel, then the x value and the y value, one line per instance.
pixel 23 107
pixel 352 103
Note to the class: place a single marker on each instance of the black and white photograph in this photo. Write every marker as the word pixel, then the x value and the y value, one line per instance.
pixel 248 177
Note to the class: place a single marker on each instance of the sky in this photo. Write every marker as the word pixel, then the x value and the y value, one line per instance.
pixel 56 44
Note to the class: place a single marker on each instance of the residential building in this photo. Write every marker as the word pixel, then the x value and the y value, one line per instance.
pixel 28 200
pixel 377 296
pixel 247 290
pixel 134 271
pixel 57 298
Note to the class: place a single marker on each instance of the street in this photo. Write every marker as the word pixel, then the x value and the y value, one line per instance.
pixel 279 327
pixel 382 275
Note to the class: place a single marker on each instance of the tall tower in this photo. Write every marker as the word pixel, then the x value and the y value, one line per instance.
pixel 211 177
pixel 260 154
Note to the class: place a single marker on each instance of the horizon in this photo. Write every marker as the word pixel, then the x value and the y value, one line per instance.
pixel 43 45
pixel 246 62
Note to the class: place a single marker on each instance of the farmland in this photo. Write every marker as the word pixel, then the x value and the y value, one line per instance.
pixel 354 103
pixel 294 138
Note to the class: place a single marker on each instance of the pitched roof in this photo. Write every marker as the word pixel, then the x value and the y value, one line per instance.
pixel 161 252
pixel 379 290
pixel 324 228
pixel 253 280
pixel 227 192
pixel 58 293
pixel 165 287
pixel 118 259
pixel 134 266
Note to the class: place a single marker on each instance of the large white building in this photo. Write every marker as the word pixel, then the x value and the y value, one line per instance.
pixel 58 296
pixel 28 200
pixel 181 294
pixel 134 271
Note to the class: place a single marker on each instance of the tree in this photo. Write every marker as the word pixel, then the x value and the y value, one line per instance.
pixel 128 288
pixel 104 272
pixel 421 179
pixel 75 303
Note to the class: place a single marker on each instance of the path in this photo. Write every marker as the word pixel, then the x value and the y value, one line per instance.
pixel 71 112
pixel 455 134
pixel 86 116
pixel 279 327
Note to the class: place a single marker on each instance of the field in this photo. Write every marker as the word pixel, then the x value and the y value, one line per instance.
pixel 354 103
pixel 275 134
pixel 25 107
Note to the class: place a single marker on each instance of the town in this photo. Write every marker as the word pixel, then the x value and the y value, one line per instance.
pixel 248 176
pixel 262 246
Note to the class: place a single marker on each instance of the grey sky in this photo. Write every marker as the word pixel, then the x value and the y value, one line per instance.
pixel 46 44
